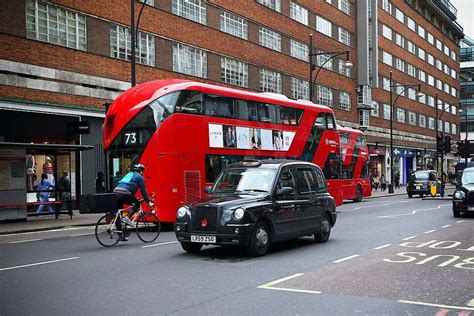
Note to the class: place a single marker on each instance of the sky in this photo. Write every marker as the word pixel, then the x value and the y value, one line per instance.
pixel 465 15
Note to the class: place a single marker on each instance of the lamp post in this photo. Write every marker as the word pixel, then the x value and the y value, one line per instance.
pixel 133 37
pixel 392 105
pixel 312 82
pixel 466 151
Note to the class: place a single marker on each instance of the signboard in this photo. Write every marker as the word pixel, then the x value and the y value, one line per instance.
pixel 78 127
pixel 433 188
pixel 229 136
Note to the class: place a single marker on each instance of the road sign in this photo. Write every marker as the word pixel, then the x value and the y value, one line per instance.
pixel 433 188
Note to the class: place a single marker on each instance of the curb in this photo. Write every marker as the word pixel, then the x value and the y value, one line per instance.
pixel 32 230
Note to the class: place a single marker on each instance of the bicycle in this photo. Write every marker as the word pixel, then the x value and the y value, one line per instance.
pixel 109 229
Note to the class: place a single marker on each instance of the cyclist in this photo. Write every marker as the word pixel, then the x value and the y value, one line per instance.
pixel 126 189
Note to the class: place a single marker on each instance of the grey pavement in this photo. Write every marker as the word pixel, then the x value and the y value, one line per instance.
pixel 47 222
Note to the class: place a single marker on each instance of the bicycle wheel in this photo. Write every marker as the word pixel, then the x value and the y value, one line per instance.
pixel 107 235
pixel 148 227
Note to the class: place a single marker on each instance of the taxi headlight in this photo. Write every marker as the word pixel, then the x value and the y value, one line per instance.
pixel 182 211
pixel 459 195
pixel 238 214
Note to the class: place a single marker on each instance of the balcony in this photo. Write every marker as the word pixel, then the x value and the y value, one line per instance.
pixel 446 7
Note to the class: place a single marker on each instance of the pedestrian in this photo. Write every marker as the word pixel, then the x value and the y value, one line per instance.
pixel 383 182
pixel 376 183
pixel 100 183
pixel 43 187
pixel 397 180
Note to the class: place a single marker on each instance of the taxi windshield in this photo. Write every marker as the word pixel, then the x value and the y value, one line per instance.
pixel 422 175
pixel 238 180
pixel 467 177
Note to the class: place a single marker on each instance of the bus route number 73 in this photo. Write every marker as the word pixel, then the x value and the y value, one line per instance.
pixel 130 138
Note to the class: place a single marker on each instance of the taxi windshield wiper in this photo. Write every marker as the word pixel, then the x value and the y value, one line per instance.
pixel 255 190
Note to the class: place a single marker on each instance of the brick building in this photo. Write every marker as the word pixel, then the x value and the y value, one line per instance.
pixel 62 61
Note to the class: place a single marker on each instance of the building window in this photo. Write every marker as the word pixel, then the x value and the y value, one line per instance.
pixel 189 60
pixel 439 64
pixel 400 64
pixel 453 57
pixel 440 125
pixel 411 47
pixel 344 36
pixel 386 84
pixel 400 15
pixel 439 84
pixel 298 13
pixel 430 38
pixel 422 98
pixel 387 58
pixel 386 111
pixel 439 45
pixel 421 120
pixel 453 129
pixel 148 2
pixel 375 109
pixel 453 110
pixel 364 118
pixel 194 10
pixel 446 50
pixel 344 6
pixel 421 75
pixel 299 89
pixel 454 75
pixel 411 70
pixel 270 81
pixel 447 126
pixel 431 123
pixel 120 46
pixel 344 70
pixel 387 32
pixel 387 6
pixel 344 101
pixel 55 25
pixel 421 31
pixel 454 92
pixel 272 4
pixel 234 25
pixel 421 53
pixel 431 80
pixel 323 26
pixel 411 94
pixel 234 72
pixel 324 95
pixel 411 24
pixel 431 101
pixel 270 39
pixel 324 59
pixel 401 115
pixel 299 50
pixel 411 118
pixel 400 40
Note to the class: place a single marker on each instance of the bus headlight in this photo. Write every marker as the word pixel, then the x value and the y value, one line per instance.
pixel 238 214
pixel 459 195
pixel 182 211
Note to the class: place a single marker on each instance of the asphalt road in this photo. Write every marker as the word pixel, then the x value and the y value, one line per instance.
pixel 386 256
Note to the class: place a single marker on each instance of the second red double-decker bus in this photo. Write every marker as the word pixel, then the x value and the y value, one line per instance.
pixel 185 132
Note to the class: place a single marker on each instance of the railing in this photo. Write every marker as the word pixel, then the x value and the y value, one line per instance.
pixel 447 6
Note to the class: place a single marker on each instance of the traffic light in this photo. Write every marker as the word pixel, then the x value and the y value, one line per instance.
pixel 447 144
pixel 461 147
pixel 439 143
pixel 467 149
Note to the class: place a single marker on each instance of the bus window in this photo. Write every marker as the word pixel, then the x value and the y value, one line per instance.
pixel 344 137
pixel 320 122
pixel 218 106
pixel 331 121
pixel 189 102
pixel 252 111
pixel 264 112
pixel 332 167
pixel 242 109
pixel 360 142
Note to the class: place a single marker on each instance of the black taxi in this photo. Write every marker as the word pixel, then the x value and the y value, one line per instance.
pixel 420 181
pixel 463 197
pixel 254 203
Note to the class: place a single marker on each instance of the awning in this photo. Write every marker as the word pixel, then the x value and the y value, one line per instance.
pixel 58 148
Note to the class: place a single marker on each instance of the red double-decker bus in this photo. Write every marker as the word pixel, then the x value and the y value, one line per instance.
pixel 355 182
pixel 185 132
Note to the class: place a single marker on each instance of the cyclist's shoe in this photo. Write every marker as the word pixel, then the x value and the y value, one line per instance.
pixel 124 238
pixel 127 221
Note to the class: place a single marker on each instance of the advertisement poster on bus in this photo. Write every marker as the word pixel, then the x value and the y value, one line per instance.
pixel 228 136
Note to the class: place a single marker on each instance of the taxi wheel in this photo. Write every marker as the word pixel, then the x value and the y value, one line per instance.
pixel 325 230
pixel 191 247
pixel 409 195
pixel 442 193
pixel 456 213
pixel 259 241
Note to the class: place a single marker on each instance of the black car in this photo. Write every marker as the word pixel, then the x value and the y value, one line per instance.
pixel 463 197
pixel 419 182
pixel 254 203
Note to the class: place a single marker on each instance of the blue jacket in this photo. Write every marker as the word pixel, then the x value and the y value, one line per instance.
pixel 133 181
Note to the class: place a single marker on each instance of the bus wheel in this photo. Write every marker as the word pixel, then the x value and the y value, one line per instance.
pixel 191 247
pixel 359 194
pixel 259 241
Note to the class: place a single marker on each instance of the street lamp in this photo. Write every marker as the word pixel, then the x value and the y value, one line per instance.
pixel 312 82
pixel 466 151
pixel 392 105
pixel 134 35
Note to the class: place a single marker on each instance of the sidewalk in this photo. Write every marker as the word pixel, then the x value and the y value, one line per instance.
pixel 46 222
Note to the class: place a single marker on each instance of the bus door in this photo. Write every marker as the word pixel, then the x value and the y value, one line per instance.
pixel 192 175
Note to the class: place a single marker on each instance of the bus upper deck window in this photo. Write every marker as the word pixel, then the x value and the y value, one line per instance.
pixel 189 102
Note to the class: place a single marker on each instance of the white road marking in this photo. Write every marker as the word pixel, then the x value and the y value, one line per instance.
pixel 22 241
pixel 381 247
pixel 160 244
pixel 38 263
pixel 346 258
pixel 84 234
pixel 414 211
pixel 289 290
pixel 430 231
pixel 445 226
pixel 269 284
pixel 460 221
pixel 47 231
pixel 379 205
pixel 437 305
pixel 408 238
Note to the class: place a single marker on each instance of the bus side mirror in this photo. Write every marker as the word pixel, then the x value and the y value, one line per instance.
pixel 207 189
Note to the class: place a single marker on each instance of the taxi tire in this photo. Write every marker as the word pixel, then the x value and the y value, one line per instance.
pixel 325 229
pixel 191 247
pixel 456 213
pixel 410 195
pixel 260 234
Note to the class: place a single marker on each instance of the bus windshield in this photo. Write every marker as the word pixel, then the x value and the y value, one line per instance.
pixel 245 180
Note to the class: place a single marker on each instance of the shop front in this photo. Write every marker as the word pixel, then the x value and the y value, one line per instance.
pixel 404 162
pixel 377 160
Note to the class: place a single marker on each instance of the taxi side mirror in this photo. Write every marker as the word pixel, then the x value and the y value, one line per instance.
pixel 285 191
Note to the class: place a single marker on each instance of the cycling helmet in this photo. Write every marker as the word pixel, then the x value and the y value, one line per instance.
pixel 138 167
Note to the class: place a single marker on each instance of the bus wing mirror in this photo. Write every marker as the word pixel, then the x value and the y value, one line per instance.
pixel 207 189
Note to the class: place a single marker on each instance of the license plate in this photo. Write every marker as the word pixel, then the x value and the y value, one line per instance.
pixel 203 239
pixel 418 187
pixel 470 208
